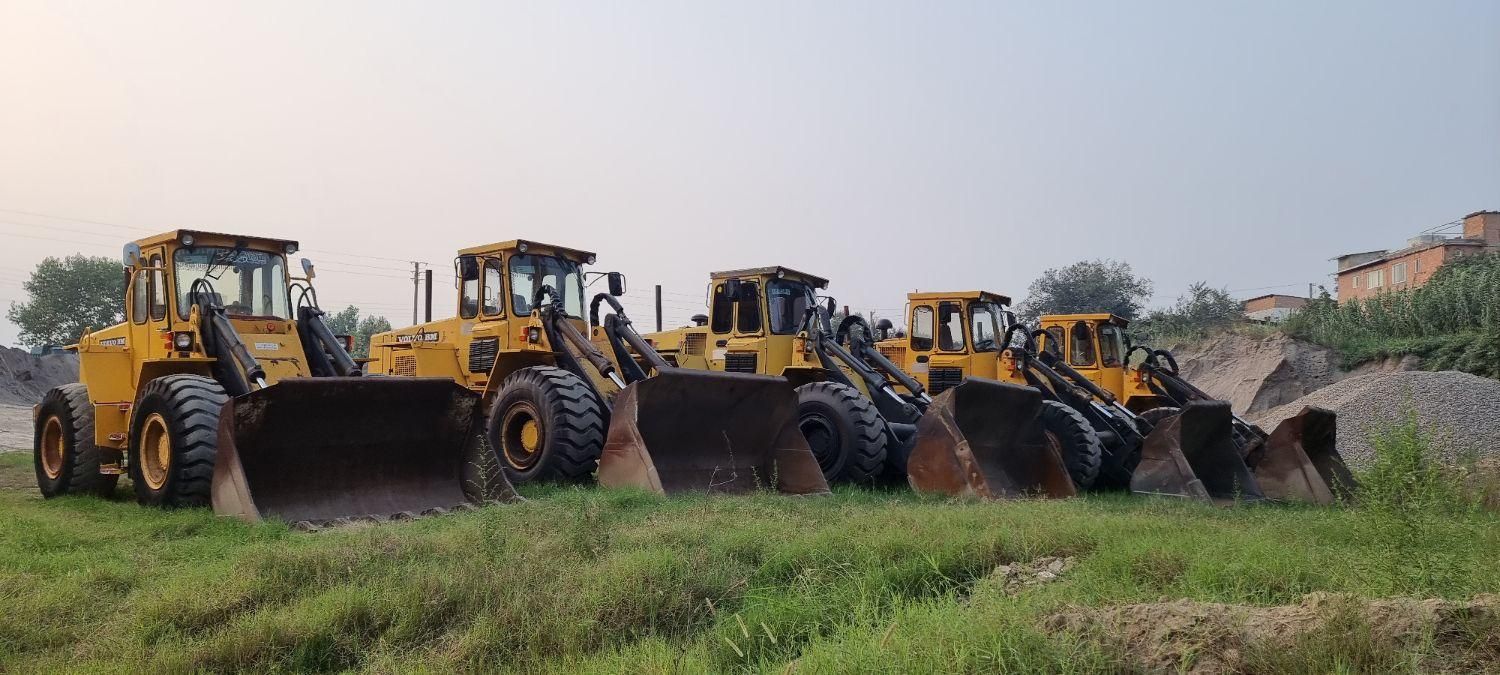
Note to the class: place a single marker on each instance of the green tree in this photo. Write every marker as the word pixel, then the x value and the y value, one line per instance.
pixel 1201 310
pixel 348 322
pixel 67 296
pixel 368 326
pixel 1086 286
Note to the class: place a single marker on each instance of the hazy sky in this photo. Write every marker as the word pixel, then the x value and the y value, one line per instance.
pixel 888 146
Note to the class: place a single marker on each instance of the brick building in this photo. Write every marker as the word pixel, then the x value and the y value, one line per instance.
pixel 1361 275
pixel 1273 308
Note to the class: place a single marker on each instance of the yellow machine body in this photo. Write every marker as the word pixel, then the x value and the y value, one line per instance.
pixel 674 432
pixel 327 455
pixel 1094 344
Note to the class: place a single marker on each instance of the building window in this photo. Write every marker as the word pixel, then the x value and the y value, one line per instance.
pixel 1356 281
pixel 1375 279
pixel 1398 273
pixel 1416 266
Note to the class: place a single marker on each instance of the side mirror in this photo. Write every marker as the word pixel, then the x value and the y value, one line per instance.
pixel 830 304
pixel 1010 318
pixel 700 319
pixel 732 288
pixel 307 269
pixel 132 255
pixel 616 284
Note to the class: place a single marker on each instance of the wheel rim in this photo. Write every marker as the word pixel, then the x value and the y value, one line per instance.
pixel 155 455
pixel 522 436
pixel 52 448
pixel 822 437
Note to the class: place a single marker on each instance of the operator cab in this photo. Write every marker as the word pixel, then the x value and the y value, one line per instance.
pixel 500 280
pixel 754 301
pixel 1093 344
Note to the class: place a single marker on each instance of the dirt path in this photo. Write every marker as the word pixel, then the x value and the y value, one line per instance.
pixel 15 428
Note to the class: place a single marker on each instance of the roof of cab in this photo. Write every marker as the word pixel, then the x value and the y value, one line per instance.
pixel 774 271
pixel 1097 316
pixel 209 238
pixel 961 295
pixel 530 245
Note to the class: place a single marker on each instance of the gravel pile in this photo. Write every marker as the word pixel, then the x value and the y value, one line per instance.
pixel 1460 411
pixel 25 378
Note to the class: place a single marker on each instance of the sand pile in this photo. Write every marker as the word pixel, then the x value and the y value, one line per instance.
pixel 25 378
pixel 1256 374
pixel 1460 411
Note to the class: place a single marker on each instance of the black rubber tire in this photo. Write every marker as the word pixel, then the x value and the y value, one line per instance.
pixel 1075 439
pixel 845 431
pixel 190 405
pixel 570 419
pixel 80 461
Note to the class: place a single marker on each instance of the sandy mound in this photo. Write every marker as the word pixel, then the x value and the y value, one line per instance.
pixel 24 378
pixel 1256 374
pixel 1194 637
pixel 1460 410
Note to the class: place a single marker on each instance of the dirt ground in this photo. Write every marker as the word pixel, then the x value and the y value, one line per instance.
pixel 1199 637
pixel 15 428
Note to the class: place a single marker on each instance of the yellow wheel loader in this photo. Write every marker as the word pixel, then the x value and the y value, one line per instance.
pixel 224 386
pixel 979 439
pixel 1298 461
pixel 519 341
pixel 953 336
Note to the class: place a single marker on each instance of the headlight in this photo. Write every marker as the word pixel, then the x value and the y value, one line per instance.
pixel 533 335
pixel 187 240
pixel 591 260
pixel 182 341
pixel 521 247
pixel 291 248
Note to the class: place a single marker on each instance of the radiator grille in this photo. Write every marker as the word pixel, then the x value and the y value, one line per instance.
pixel 482 354
pixel 740 362
pixel 893 351
pixel 940 380
pixel 693 343
pixel 405 364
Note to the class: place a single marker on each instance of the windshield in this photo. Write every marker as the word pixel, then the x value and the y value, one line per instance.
pixel 788 301
pixel 1111 345
pixel 985 320
pixel 246 282
pixel 529 272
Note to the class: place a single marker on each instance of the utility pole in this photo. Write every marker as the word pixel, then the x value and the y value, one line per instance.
pixel 658 308
pixel 416 288
pixel 427 285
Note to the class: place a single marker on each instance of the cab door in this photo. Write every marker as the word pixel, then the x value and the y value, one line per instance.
pixel 484 302
pixel 150 326
pixel 1082 351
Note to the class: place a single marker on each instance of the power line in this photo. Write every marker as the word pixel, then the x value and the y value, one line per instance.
pixel 77 220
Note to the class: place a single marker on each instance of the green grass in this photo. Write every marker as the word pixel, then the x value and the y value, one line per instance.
pixel 587 580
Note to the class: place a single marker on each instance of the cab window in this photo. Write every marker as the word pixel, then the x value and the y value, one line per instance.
pixel 1054 341
pixel 1081 349
pixel 788 302
pixel 494 288
pixel 723 310
pixel 138 295
pixel 950 327
pixel 1111 345
pixel 986 327
pixel 748 320
pixel 158 290
pixel 921 328
pixel 468 287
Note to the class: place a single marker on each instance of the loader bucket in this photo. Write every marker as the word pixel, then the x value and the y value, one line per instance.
pixel 1300 462
pixel 983 438
pixel 1193 454
pixel 317 450
pixel 701 431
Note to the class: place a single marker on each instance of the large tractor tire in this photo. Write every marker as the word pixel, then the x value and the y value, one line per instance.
pixel 547 425
pixel 174 439
pixel 844 431
pixel 67 461
pixel 1075 440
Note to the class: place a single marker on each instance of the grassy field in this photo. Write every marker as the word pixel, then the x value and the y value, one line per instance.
pixel 585 580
